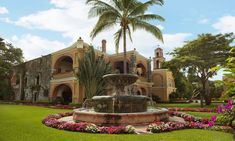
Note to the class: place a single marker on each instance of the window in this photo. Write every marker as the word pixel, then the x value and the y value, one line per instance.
pixel 38 80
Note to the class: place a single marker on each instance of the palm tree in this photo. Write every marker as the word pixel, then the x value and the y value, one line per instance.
pixel 90 73
pixel 126 14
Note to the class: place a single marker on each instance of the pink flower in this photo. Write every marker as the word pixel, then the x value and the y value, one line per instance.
pixel 230 103
pixel 211 123
pixel 220 109
pixel 213 118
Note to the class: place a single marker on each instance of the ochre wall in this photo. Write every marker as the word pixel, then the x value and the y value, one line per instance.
pixel 163 84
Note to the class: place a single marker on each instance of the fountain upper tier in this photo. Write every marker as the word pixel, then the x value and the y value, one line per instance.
pixel 119 81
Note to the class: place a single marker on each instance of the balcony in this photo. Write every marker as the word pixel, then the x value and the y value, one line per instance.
pixel 63 75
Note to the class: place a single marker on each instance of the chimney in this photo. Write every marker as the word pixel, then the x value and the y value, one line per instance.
pixel 103 47
pixel 80 43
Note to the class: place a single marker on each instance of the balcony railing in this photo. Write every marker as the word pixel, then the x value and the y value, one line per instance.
pixel 63 75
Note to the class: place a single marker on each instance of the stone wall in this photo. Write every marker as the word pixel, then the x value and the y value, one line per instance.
pixel 34 80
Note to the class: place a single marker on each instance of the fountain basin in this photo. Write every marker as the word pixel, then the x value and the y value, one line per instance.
pixel 139 118
pixel 120 103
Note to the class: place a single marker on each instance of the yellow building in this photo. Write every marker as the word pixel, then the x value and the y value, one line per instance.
pixel 163 80
pixel 60 81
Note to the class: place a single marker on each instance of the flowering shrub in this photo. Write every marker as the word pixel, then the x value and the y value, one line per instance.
pixel 92 128
pixel 170 126
pixel 222 128
pixel 113 130
pixel 189 118
pixel 52 121
pixel 226 114
pixel 130 129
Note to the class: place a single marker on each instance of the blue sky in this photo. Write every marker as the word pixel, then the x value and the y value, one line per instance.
pixel 40 27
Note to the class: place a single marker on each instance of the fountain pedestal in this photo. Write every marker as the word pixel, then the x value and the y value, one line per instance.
pixel 140 118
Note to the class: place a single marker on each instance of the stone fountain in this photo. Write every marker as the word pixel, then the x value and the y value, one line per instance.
pixel 120 102
pixel 120 108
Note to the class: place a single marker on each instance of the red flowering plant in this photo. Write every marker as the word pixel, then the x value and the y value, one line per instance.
pixel 227 114
pixel 113 130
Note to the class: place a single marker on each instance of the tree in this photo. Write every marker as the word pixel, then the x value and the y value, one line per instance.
pixel 203 57
pixel 9 57
pixel 91 71
pixel 126 14
pixel 229 80
pixel 216 88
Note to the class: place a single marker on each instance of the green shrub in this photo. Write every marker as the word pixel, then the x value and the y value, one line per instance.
pixel 75 104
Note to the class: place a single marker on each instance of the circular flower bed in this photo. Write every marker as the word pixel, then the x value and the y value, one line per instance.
pixel 191 122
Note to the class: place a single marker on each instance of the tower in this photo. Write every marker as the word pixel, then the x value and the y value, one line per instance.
pixel 158 59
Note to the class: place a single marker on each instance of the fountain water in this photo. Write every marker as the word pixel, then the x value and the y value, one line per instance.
pixel 120 108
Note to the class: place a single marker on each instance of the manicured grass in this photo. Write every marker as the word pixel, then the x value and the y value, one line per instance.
pixel 202 114
pixel 23 123
pixel 186 105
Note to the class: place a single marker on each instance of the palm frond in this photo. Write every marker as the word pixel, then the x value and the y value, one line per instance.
pixel 106 21
pixel 117 37
pixel 154 30
pixel 90 73
pixel 129 32
pixel 147 17
pixel 99 7
pixel 141 8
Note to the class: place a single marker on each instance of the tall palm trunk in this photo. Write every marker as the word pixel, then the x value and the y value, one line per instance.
pixel 124 50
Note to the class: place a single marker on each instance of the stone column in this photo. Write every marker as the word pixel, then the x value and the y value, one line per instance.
pixel 132 65
pixel 149 71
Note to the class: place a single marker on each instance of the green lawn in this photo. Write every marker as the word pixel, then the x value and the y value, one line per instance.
pixel 23 123
pixel 202 114
pixel 186 105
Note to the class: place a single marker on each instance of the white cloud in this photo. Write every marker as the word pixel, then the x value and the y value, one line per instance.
pixel 69 17
pixel 35 46
pixel 147 43
pixel 225 24
pixel 3 10
pixel 160 27
pixel 203 21
pixel 7 20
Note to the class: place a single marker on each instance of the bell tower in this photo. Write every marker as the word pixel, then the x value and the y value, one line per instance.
pixel 158 59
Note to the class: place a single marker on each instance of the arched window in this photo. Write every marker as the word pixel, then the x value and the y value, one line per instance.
pixel 141 70
pixel 64 64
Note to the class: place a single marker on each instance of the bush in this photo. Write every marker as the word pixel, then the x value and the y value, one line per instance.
pixel 156 98
pixel 75 105
pixel 226 114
